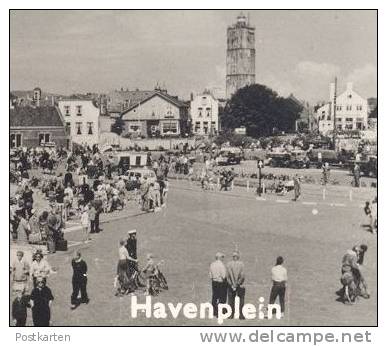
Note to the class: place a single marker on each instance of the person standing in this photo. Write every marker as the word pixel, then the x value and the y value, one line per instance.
pixel 297 187
pixel 79 281
pixel 85 222
pixel 279 276
pixel 131 246
pixel 218 281
pixel 235 280
pixel 40 300
pixel 19 308
pixel 40 269
pixel 92 213
pixel 20 271
pixel 356 175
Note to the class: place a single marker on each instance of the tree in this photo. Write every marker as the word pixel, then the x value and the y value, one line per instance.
pixel 374 113
pixel 260 110
pixel 118 126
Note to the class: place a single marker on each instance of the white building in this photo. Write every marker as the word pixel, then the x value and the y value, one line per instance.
pixel 81 118
pixel 351 112
pixel 205 114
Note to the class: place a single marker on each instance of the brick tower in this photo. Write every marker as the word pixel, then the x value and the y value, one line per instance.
pixel 240 61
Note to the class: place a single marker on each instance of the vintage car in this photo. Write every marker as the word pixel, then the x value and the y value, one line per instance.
pixel 292 159
pixel 229 156
pixel 368 167
pixel 134 177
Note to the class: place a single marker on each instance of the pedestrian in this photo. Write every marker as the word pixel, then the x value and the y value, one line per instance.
pixel 20 271
pixel 39 268
pixel 131 246
pixel 279 277
pixel 19 308
pixel 40 300
pixel 92 213
pixel 297 187
pixel 122 268
pixel 85 222
pixel 356 175
pixel 218 282
pixel 235 283
pixel 368 213
pixel 79 281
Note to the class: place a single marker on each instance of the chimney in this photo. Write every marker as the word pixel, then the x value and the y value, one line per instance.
pixel 349 86
pixel 331 92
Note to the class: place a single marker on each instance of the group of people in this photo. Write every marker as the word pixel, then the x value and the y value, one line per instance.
pixel 352 278
pixel 26 275
pixel 228 282
pixel 129 277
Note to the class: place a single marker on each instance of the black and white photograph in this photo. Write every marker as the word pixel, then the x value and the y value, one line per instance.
pixel 193 168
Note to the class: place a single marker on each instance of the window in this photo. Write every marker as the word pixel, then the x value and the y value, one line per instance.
pixel 348 119
pixel 170 127
pixel 79 128
pixel 322 115
pixel 138 160
pixel 349 126
pixel 359 125
pixel 44 137
pixel 200 112
pixel 68 128
pixel 338 120
pixel 349 107
pixel 90 128
pixel 134 127
pixel 359 108
pixel 79 110
pixel 208 111
pixel 169 114
pixel 339 127
pixel 67 110
pixel 15 140
pixel 197 126
pixel 339 108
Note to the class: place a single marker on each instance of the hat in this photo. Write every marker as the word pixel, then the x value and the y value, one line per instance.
pixel 235 254
pixel 132 231
pixel 219 255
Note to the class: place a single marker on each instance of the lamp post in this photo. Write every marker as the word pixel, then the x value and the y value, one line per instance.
pixel 260 165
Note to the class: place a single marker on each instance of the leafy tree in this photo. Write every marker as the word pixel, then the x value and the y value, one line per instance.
pixel 118 126
pixel 374 113
pixel 261 111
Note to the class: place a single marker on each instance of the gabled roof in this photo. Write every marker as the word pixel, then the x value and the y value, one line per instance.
pixel 166 97
pixel 34 116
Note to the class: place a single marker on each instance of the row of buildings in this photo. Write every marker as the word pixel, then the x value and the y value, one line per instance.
pixel 37 118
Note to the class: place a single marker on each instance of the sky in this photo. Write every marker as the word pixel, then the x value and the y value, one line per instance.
pixel 297 52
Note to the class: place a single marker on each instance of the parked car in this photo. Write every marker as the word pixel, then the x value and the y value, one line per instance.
pixel 229 156
pixel 292 159
pixel 134 177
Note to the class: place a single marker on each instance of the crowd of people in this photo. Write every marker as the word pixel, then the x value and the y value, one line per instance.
pixel 228 282
pixel 90 186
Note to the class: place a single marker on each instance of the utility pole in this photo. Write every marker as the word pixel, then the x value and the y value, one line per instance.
pixel 334 114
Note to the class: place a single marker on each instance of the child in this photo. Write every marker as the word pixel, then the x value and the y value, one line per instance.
pixel 85 222
pixel 19 308
pixel 150 272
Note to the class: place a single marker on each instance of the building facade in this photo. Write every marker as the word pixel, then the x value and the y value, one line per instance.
pixel 351 112
pixel 157 114
pixel 240 59
pixel 35 126
pixel 205 114
pixel 81 119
